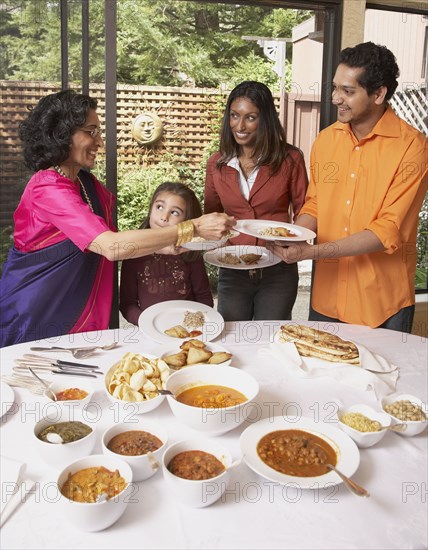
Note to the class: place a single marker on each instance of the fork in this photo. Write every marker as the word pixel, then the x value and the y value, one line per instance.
pixel 78 353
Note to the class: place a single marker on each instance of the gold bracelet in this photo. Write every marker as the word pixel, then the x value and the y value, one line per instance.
pixel 185 231
pixel 188 231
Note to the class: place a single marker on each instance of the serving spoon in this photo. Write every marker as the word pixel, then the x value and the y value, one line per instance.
pixel 394 428
pixel 166 392
pixel 54 438
pixel 53 394
pixel 350 484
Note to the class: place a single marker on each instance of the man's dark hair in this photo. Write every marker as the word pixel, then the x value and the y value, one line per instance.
pixel 379 64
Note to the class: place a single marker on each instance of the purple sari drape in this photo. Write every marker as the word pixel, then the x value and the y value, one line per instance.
pixel 42 293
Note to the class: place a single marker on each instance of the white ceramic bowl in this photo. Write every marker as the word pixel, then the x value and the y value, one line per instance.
pixel 364 439
pixel 132 407
pixel 66 382
pixel 142 466
pixel 95 516
pixel 60 454
pixel 212 422
pixel 197 493
pixel 413 427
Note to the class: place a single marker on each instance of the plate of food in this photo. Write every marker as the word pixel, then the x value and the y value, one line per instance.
pixel 311 342
pixel 199 243
pixel 287 450
pixel 241 257
pixel 195 352
pixel 173 320
pixel 7 398
pixel 270 230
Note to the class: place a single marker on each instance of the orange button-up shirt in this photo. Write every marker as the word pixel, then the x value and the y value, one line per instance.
pixel 377 183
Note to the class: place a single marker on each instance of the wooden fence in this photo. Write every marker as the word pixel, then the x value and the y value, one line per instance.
pixel 412 106
pixel 189 116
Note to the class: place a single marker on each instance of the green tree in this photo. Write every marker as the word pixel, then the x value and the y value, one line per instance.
pixel 159 42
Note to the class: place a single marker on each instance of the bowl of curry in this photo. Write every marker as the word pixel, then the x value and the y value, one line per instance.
pixel 94 491
pixel 211 401
pixel 140 444
pixel 289 450
pixel 76 427
pixel 197 471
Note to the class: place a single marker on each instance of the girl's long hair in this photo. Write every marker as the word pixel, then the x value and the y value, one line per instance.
pixel 271 147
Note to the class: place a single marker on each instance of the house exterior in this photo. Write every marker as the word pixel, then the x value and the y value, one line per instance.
pixel 405 34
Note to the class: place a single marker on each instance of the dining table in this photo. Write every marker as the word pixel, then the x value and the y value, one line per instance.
pixel 254 512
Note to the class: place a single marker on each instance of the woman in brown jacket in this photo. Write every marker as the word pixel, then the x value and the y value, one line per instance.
pixel 255 175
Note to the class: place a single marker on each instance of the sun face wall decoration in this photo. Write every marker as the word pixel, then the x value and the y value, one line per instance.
pixel 147 128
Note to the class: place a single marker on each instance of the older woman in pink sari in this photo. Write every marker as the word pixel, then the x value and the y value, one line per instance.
pixel 58 278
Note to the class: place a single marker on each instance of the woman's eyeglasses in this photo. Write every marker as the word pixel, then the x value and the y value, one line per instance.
pixel 93 132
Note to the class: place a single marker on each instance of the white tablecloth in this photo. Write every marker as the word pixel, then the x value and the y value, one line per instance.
pixel 255 513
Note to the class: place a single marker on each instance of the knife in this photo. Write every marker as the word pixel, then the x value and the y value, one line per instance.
pixel 25 363
pixel 56 362
pixel 51 369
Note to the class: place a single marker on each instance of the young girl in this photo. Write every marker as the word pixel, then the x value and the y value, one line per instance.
pixel 166 274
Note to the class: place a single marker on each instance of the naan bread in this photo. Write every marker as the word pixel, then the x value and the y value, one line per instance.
pixel 311 342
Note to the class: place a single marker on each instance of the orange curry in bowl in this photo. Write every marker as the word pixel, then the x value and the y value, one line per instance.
pixel 296 453
pixel 211 396
pixel 71 394
pixel 88 484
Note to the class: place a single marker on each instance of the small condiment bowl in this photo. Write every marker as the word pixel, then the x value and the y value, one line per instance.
pixel 412 427
pixel 364 439
pixel 58 454
pixel 132 407
pixel 210 421
pixel 66 383
pixel 143 466
pixel 95 516
pixel 197 493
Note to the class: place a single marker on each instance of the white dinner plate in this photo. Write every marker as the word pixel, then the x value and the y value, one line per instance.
pixel 256 227
pixel 210 347
pixel 154 320
pixel 198 243
pixel 7 398
pixel 348 458
pixel 215 257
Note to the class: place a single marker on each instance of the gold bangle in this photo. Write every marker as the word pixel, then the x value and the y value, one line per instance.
pixel 185 231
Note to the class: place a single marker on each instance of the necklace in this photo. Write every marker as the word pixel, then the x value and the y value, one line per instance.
pixel 61 173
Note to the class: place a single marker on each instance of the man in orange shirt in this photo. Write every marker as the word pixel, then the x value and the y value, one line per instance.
pixel 368 182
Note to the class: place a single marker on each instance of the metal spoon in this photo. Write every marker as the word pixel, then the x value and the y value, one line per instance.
pixel 54 397
pixel 350 484
pixel 166 392
pixel 54 438
pixel 394 428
